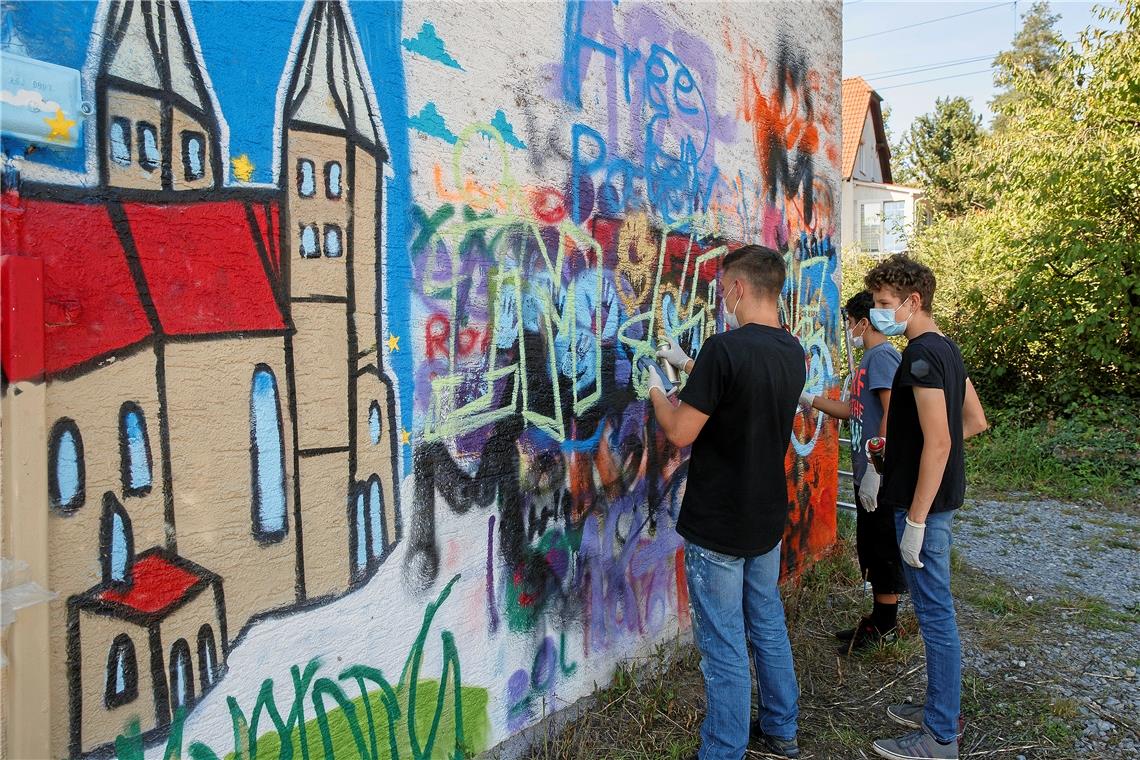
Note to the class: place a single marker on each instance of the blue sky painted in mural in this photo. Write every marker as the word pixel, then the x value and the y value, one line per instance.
pixel 245 47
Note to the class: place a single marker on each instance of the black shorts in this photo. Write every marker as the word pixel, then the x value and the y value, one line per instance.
pixel 877 545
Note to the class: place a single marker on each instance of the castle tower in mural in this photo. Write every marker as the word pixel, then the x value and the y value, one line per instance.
pixel 331 176
pixel 204 361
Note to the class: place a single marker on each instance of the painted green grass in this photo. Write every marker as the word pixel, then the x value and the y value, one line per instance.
pixel 471 738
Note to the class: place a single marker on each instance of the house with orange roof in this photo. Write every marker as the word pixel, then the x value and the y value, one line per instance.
pixel 878 215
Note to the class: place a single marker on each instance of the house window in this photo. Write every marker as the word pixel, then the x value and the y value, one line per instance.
pixel 122 685
pixel 310 249
pixel 267 450
pixel 148 146
pixel 116 544
pixel 181 675
pixel 306 178
pixel 332 179
pixel 374 426
pixel 194 155
pixel 121 141
pixel 207 657
pixel 882 227
pixel 894 226
pixel 134 451
pixel 332 241
pixel 66 472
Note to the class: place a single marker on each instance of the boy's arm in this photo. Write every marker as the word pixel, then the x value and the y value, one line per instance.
pixel 832 408
pixel 681 424
pixel 973 415
pixel 931 404
pixel 885 400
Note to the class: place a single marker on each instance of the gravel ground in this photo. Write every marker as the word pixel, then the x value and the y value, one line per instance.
pixel 1084 562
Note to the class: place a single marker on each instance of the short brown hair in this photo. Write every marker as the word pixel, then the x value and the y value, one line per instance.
pixel 762 267
pixel 903 275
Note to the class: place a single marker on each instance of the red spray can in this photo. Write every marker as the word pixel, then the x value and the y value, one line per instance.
pixel 876 450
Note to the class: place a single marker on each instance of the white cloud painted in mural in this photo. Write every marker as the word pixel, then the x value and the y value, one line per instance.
pixel 28 99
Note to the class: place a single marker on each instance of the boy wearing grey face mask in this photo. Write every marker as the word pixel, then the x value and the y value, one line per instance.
pixel 875 540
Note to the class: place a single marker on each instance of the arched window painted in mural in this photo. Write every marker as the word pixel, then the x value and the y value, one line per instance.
pixel 207 657
pixel 116 543
pixel 267 457
pixel 67 475
pixel 134 450
pixel 181 675
pixel 375 424
pixel 122 685
pixel 376 528
pixel 359 536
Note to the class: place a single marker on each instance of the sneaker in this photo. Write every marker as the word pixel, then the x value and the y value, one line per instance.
pixel 773 745
pixel 911 717
pixel 918 745
pixel 867 636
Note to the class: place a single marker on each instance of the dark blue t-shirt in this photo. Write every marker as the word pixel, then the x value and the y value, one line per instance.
pixel 876 372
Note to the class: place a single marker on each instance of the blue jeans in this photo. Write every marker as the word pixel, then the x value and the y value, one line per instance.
pixel 934 606
pixel 731 598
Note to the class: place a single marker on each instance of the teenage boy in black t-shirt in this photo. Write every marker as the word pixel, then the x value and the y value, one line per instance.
pixel 934 408
pixel 736 410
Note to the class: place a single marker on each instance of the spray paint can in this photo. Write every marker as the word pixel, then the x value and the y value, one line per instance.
pixel 669 370
pixel 876 450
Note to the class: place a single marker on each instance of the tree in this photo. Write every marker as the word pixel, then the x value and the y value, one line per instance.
pixel 1042 290
pixel 934 153
pixel 1036 49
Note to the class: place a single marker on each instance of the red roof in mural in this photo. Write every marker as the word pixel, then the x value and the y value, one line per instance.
pixel 157 583
pixel 201 271
pixel 88 297
pixel 202 267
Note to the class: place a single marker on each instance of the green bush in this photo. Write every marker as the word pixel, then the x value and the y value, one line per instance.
pixel 1091 451
pixel 1041 289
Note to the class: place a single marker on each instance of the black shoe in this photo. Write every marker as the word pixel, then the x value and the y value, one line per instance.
pixel 849 634
pixel 867 636
pixel 773 745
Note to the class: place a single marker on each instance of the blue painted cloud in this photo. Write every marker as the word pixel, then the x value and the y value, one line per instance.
pixel 428 44
pixel 430 121
pixel 506 130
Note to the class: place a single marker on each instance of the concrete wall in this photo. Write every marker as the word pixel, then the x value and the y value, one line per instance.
pixel 395 439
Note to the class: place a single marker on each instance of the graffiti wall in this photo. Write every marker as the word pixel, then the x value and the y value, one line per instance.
pixel 323 427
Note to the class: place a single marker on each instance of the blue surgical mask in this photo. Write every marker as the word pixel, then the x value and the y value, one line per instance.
pixel 884 320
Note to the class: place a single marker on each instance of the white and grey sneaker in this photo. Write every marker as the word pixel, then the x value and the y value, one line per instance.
pixel 911 716
pixel 918 745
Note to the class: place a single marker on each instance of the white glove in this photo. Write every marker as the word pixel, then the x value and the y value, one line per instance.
pixel 657 380
pixel 673 354
pixel 806 400
pixel 869 490
pixel 911 545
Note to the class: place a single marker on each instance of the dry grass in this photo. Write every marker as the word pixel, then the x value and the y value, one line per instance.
pixel 655 711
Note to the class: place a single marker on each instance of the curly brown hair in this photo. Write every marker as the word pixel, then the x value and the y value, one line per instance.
pixel 904 276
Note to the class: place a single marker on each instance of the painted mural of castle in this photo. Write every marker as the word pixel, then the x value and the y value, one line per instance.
pixel 222 432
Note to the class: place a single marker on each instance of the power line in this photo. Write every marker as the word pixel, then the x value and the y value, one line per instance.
pixel 924 67
pixel 928 21
pixel 936 79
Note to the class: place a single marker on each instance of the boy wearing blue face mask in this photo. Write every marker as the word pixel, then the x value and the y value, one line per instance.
pixel 934 408
pixel 875 541
pixel 737 410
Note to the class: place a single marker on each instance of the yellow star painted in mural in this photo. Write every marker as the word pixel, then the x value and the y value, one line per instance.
pixel 60 126
pixel 405 437
pixel 243 168
pixel 393 342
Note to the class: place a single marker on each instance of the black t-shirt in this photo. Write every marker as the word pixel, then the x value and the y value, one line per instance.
pixel 930 360
pixel 748 381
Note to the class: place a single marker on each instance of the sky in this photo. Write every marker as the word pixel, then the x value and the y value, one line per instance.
pixel 887 61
